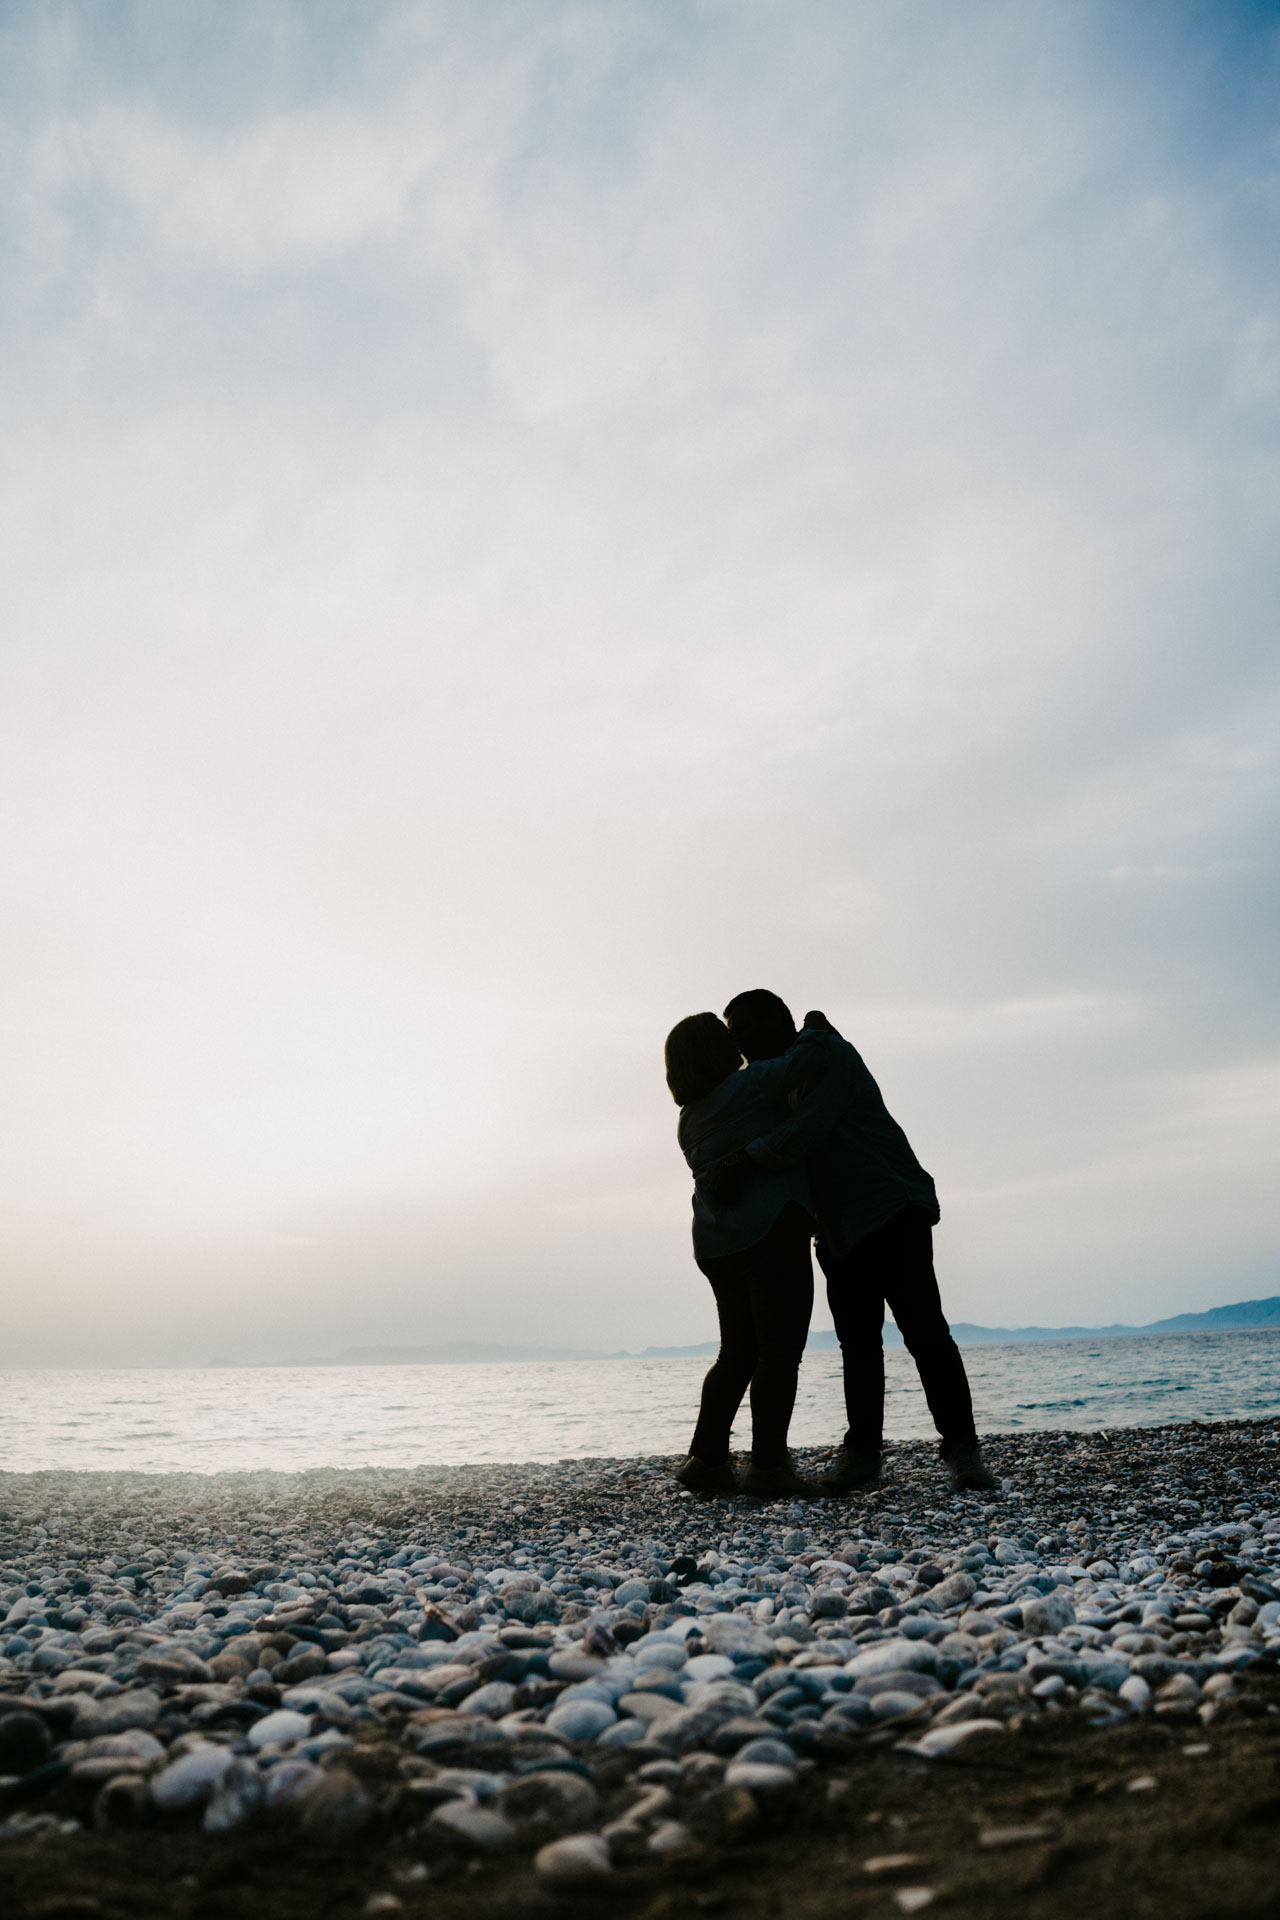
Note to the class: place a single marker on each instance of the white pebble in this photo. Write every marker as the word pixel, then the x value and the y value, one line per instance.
pixel 760 1776
pixel 280 1728
pixel 191 1779
pixel 671 1837
pixel 575 1861
pixel 944 1740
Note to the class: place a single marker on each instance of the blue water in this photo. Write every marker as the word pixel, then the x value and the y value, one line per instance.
pixel 211 1419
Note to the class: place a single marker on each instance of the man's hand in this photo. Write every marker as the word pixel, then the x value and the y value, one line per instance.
pixel 821 1023
pixel 722 1182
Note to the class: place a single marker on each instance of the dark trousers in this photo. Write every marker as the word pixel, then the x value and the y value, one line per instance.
pixel 894 1264
pixel 764 1297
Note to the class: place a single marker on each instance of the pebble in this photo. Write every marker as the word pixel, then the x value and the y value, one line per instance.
pixel 139 1707
pixel 767 1752
pixel 25 1742
pixel 672 1837
pixel 708 1666
pixel 281 1728
pixel 758 1776
pixel 945 1740
pixel 1013 1836
pixel 514 1630
pixel 548 1803
pixel 235 1799
pixel 893 1702
pixel 289 1782
pixel 581 1719
pixel 336 1809
pixel 122 1802
pixel 471 1828
pixel 578 1861
pixel 189 1780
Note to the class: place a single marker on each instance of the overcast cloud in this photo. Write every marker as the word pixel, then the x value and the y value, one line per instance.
pixel 524 520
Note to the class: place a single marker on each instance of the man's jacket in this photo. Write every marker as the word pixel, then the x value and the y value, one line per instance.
pixel 861 1167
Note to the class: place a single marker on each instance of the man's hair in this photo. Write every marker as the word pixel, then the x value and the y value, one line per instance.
pixel 760 1023
pixel 700 1054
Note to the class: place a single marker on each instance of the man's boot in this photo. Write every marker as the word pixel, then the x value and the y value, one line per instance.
pixel 969 1471
pixel 704 1476
pixel 776 1483
pixel 851 1472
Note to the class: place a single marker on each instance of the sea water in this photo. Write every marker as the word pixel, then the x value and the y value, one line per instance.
pixel 212 1419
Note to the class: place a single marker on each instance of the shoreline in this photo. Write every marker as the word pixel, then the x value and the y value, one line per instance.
pixel 187 1421
pixel 1002 1442
pixel 480 1684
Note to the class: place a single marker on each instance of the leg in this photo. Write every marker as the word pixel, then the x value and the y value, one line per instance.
pixel 781 1291
pixel 856 1297
pixel 731 1370
pixel 911 1288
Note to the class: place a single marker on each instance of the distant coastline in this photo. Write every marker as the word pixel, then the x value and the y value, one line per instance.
pixel 1241 1317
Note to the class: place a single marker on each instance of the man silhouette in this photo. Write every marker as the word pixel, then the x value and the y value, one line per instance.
pixel 876 1209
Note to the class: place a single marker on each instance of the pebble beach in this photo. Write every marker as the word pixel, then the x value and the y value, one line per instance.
pixel 575 1680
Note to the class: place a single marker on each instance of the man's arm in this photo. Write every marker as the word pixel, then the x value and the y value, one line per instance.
pixel 824 1072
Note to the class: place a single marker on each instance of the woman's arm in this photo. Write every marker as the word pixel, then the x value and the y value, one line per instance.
pixel 822 1070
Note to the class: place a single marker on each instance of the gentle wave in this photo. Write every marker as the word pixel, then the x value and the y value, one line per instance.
pixel 213 1419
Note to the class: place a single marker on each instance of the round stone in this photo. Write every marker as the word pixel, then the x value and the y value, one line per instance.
pixel 898 1680
pixel 671 1837
pixel 666 1654
pixel 627 1733
pixel 497 1698
pixel 945 1740
pixel 581 1719
pixel 473 1829
pixel 123 1802
pixel 757 1776
pixel 548 1803
pixel 891 1703
pixel 289 1780
pixel 1134 1692
pixel 574 1862
pixel 769 1753
pixel 827 1603
pixel 235 1799
pixel 24 1742
pixel 280 1728
pixel 708 1666
pixel 336 1808
pixel 190 1780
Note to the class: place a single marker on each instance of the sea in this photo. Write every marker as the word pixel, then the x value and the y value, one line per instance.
pixel 220 1419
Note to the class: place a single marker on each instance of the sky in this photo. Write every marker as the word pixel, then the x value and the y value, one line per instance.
pixel 522 521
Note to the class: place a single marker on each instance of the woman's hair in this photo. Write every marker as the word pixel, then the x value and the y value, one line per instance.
pixel 700 1053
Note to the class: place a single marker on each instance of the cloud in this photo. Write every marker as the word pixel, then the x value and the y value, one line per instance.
pixel 525 525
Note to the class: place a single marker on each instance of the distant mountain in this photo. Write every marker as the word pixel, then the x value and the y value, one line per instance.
pixel 1243 1316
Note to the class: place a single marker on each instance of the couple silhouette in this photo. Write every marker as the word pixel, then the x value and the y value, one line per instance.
pixel 794 1147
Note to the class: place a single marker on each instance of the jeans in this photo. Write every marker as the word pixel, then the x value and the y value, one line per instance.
pixel 764 1297
pixel 895 1265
